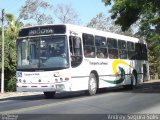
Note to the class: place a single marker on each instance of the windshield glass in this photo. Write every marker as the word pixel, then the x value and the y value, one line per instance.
pixel 42 52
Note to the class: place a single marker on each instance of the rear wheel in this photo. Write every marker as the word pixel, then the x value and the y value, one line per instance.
pixel 49 95
pixel 133 82
pixel 92 84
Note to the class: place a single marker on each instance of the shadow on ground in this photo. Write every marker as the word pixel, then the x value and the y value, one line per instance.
pixel 153 87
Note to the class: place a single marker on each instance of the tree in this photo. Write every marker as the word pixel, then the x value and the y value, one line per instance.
pixel 127 12
pixel 12 26
pixel 147 12
pixel 100 22
pixel 11 31
pixel 36 11
pixel 104 23
pixel 66 14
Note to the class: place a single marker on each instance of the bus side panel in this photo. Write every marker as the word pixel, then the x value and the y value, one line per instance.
pixel 117 72
pixel 80 83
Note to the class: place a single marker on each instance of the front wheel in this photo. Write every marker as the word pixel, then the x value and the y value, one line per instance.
pixel 49 95
pixel 92 84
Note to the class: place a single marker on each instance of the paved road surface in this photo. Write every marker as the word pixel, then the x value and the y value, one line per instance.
pixel 145 99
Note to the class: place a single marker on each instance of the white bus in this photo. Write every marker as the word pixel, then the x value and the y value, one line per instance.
pixel 60 58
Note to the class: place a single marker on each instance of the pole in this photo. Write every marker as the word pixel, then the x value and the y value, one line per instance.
pixel 2 73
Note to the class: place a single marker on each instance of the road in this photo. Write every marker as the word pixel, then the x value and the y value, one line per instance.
pixel 145 99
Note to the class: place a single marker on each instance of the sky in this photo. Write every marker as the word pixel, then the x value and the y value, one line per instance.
pixel 86 9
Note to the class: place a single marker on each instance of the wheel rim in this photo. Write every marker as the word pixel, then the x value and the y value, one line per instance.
pixel 92 85
pixel 134 80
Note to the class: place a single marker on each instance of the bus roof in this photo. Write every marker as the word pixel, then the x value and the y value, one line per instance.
pixel 93 31
pixel 81 29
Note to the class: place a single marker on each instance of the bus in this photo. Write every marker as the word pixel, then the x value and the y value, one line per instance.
pixel 65 57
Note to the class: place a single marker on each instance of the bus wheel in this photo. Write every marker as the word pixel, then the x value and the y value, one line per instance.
pixel 134 80
pixel 92 84
pixel 49 95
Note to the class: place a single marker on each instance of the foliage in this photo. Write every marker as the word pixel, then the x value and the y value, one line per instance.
pixel 10 32
pixel 10 85
pixel 104 23
pixel 100 22
pixel 147 12
pixel 127 12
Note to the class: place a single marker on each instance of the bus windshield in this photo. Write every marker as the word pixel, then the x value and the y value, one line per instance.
pixel 42 52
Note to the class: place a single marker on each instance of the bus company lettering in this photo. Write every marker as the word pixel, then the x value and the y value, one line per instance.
pixel 41 31
pixel 31 74
pixel 98 63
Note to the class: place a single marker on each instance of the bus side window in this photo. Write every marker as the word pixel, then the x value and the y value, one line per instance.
pixel 101 47
pixel 131 50
pixel 88 45
pixel 122 49
pixel 141 51
pixel 75 50
pixel 138 51
pixel 112 48
pixel 88 52
pixel 144 52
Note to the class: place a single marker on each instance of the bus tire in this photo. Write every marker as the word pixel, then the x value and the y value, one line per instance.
pixel 92 85
pixel 133 82
pixel 49 95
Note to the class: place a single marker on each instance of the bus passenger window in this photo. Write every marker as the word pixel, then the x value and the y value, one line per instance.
pixel 101 52
pixel 112 48
pixel 88 39
pixel 100 41
pixel 122 54
pixel 101 47
pixel 138 51
pixel 86 53
pixel 112 43
pixel 131 51
pixel 144 51
pixel 89 52
pixel 122 49
pixel 113 53
pixel 88 43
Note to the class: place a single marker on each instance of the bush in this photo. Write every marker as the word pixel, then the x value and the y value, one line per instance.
pixel 10 85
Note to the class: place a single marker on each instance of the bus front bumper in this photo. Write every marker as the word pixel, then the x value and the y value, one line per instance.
pixel 57 87
pixel 35 87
